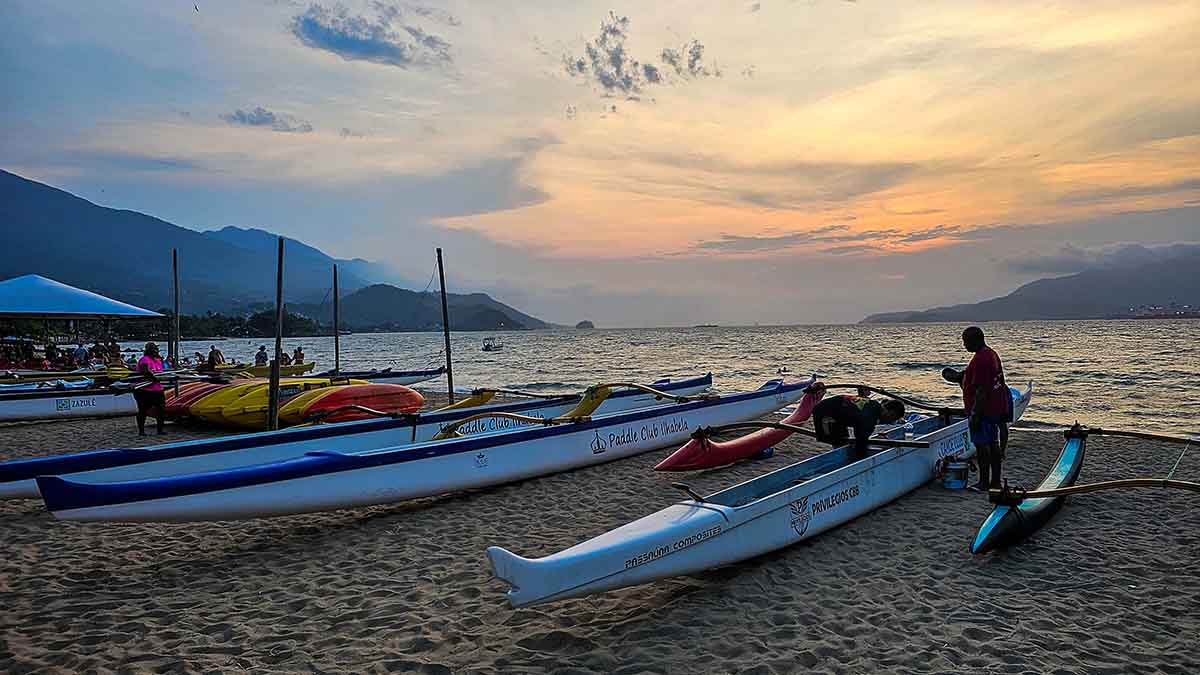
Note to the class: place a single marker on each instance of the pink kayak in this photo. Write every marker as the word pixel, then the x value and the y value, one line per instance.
pixel 703 453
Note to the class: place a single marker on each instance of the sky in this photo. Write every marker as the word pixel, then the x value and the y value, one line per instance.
pixel 635 163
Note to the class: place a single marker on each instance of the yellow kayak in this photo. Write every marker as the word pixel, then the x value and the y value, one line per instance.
pixel 208 408
pixel 250 409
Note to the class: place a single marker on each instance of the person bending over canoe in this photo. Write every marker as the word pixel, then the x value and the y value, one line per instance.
pixel 836 415
pixel 987 401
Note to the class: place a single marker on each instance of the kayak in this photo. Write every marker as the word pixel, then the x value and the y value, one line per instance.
pixel 761 515
pixel 703 453
pixel 1007 525
pixel 180 406
pixel 120 464
pixel 330 404
pixel 330 480
pixel 250 410
pixel 388 376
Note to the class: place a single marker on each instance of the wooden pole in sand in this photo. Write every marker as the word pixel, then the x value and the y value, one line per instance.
pixel 446 328
pixel 337 331
pixel 173 348
pixel 273 392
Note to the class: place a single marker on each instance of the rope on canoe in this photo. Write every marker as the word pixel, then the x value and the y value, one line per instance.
pixel 1017 495
pixel 910 402
pixel 704 432
pixel 322 415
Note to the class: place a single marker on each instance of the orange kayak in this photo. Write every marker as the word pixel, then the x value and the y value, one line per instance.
pixel 332 403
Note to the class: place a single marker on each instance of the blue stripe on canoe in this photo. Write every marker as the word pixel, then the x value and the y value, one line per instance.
pixel 92 460
pixel 63 495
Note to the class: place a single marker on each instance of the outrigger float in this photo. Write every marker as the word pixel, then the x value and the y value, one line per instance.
pixel 1019 513
pixel 125 464
pixel 761 515
pixel 330 480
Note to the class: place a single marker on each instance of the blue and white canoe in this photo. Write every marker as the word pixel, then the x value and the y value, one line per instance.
pixel 48 403
pixel 171 459
pixel 1010 524
pixel 387 375
pixel 758 516
pixel 330 480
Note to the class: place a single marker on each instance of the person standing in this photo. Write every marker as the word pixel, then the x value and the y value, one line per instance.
pixel 80 355
pixel 260 357
pixel 151 400
pixel 988 403
pixel 215 358
pixel 298 355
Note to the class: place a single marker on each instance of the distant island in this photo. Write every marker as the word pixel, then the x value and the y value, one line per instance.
pixel 585 325
pixel 1156 290
pixel 227 276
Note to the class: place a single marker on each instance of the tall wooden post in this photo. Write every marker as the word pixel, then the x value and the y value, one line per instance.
pixel 273 396
pixel 337 330
pixel 446 328
pixel 173 348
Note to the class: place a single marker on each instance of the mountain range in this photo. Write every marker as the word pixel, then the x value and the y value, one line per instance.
pixel 1105 292
pixel 126 255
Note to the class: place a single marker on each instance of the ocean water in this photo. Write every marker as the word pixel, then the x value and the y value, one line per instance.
pixel 1139 374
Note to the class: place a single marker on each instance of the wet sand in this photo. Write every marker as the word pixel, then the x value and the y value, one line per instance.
pixel 1112 586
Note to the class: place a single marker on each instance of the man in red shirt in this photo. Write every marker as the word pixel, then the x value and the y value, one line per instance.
pixel 988 402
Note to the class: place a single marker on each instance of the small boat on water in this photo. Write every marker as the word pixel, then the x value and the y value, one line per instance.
pixel 492 345
pixel 170 459
pixel 1009 524
pixel 387 375
pixel 763 514
pixel 329 480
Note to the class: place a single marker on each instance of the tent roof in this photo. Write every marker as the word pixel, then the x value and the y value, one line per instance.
pixel 36 297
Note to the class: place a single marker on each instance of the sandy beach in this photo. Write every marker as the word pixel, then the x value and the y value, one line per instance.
pixel 1112 586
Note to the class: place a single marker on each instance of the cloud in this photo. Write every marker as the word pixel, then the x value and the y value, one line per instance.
pixel 606 62
pixel 1124 192
pixel 754 7
pixel 1071 259
pixel 358 38
pixel 347 132
pixel 746 243
pixel 119 160
pixel 261 117
pixel 874 240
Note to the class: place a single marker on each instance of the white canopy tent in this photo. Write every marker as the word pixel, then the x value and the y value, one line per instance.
pixel 36 297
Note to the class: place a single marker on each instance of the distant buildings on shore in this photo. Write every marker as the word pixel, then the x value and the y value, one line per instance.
pixel 1169 310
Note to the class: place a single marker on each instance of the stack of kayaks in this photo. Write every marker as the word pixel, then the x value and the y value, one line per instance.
pixel 179 405
pixel 242 403
pixel 337 403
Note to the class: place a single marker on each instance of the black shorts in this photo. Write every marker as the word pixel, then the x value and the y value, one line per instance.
pixel 147 400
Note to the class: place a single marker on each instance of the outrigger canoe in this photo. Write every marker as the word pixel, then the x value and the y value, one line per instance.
pixel 387 375
pixel 758 516
pixel 1009 524
pixel 330 480
pixel 170 459
pixel 53 404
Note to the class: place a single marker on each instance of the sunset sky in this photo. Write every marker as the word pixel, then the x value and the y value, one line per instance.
pixel 635 163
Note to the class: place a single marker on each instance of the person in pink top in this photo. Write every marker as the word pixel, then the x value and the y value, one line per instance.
pixel 151 400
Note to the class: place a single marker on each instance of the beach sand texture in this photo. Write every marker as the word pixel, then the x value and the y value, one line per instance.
pixel 1112 586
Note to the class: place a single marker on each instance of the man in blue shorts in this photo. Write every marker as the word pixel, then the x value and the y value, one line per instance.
pixel 987 401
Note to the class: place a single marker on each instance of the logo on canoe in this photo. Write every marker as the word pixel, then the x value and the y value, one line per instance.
pixel 68 404
pixel 598 445
pixel 481 459
pixel 801 516
pixel 62 404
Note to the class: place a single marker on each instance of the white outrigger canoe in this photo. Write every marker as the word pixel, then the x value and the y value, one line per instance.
pixel 329 480
pixel 172 459
pixel 761 515
pixel 68 403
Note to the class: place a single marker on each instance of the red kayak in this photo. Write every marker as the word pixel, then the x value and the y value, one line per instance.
pixel 703 453
pixel 388 398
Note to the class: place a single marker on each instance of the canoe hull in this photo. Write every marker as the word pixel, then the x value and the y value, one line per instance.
pixel 761 515
pixel 125 464
pixel 70 404
pixel 389 376
pixel 417 471
pixel 1009 525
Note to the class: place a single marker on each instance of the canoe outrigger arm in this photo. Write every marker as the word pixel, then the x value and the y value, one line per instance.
pixel 684 487
pixel 451 430
pixel 706 432
pixel 1011 496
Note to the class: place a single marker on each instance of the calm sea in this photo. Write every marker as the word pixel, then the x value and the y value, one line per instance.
pixel 1132 374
